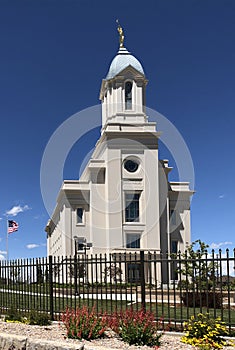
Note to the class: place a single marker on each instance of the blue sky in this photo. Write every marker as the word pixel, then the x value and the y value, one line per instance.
pixel 54 54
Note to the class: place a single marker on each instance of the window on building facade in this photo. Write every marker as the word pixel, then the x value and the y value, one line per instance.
pixel 131 166
pixel 173 217
pixel 174 247
pixel 80 216
pixel 133 272
pixel 174 266
pixel 128 95
pixel 132 207
pixel 133 240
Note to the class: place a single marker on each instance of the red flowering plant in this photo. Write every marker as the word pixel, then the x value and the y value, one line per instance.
pixel 136 327
pixel 82 323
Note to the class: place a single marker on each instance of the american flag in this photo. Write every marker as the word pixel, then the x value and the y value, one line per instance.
pixel 12 226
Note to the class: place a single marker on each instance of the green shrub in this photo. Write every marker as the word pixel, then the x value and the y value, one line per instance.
pixel 205 333
pixel 200 299
pixel 14 315
pixel 40 319
pixel 34 318
pixel 136 327
pixel 82 323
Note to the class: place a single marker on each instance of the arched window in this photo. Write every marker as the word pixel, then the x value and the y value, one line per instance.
pixel 128 95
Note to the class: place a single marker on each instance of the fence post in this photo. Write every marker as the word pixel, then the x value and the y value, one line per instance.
pixel 75 273
pixel 51 288
pixel 142 280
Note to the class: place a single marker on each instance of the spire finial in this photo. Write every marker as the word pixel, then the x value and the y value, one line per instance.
pixel 121 34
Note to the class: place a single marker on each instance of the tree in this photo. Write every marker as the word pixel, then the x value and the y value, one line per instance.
pixel 56 270
pixel 200 277
pixel 15 272
pixel 113 271
pixel 40 276
pixel 199 271
pixel 81 270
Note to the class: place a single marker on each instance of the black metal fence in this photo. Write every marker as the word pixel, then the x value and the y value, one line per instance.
pixel 174 287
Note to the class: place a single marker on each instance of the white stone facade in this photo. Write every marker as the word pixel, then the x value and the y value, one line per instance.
pixel 123 200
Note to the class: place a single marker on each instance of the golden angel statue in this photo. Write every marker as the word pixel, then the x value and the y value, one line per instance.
pixel 121 34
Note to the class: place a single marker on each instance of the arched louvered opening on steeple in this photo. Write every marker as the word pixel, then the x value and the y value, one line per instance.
pixel 128 95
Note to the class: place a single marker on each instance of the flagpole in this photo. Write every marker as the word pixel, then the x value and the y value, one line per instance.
pixel 7 240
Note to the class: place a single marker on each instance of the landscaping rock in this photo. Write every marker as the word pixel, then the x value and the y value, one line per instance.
pixel 12 342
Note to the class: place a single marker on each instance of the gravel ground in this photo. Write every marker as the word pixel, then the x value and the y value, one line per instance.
pixel 58 332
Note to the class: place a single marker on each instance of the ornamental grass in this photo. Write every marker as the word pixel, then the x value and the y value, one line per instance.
pixel 83 323
pixel 136 327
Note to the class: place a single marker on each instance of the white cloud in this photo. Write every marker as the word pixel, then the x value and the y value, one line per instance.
pixel 36 217
pixel 0 219
pixel 2 257
pixel 2 252
pixel 218 245
pixel 17 209
pixel 226 264
pixel 32 246
pixel 221 196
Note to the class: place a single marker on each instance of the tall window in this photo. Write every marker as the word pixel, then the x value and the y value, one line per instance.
pixel 133 272
pixel 133 240
pixel 132 207
pixel 174 266
pixel 80 215
pixel 174 247
pixel 173 217
pixel 128 95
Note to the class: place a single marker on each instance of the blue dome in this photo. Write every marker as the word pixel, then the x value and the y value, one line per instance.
pixel 121 61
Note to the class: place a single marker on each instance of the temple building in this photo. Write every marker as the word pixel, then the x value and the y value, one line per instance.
pixel 123 201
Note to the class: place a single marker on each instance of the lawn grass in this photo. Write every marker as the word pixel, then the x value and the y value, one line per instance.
pixel 36 297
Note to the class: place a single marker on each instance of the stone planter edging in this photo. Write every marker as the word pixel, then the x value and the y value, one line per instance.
pixel 18 342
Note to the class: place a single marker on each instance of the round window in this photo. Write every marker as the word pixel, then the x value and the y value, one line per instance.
pixel 131 165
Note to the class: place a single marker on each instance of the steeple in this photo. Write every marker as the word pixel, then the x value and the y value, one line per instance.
pixel 123 90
